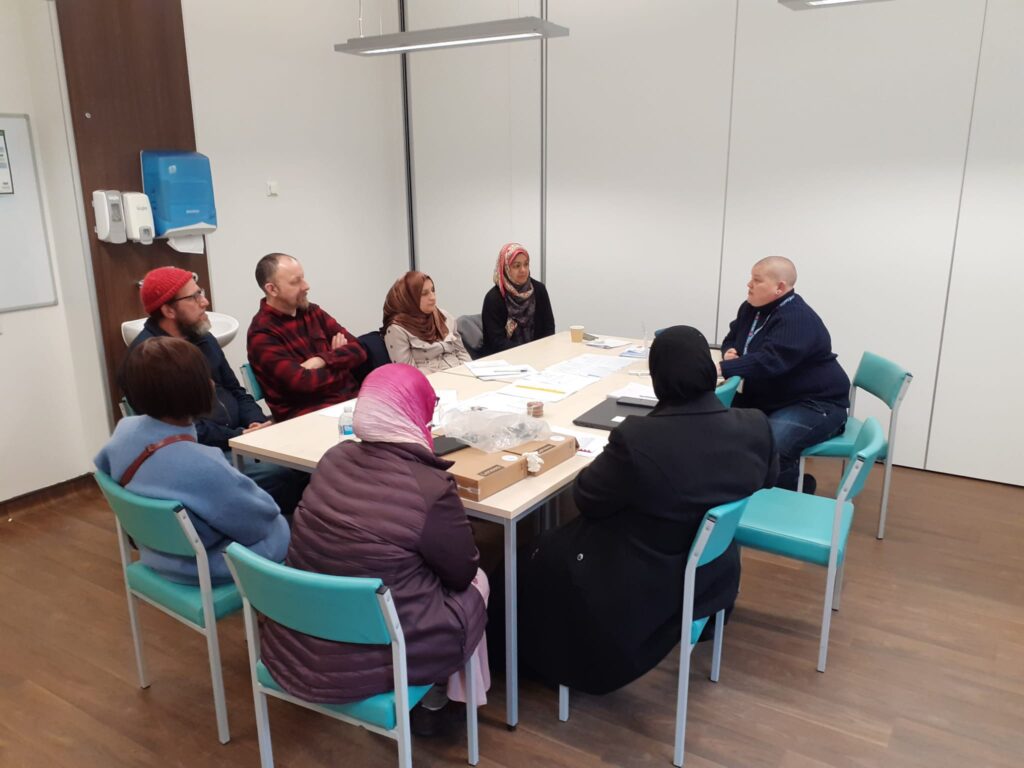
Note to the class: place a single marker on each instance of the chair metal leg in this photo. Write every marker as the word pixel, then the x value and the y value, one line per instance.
pixel 716 654
pixel 826 619
pixel 885 495
pixel 263 729
pixel 472 732
pixel 838 589
pixel 800 476
pixel 404 738
pixel 563 703
pixel 219 702
pixel 140 660
pixel 682 694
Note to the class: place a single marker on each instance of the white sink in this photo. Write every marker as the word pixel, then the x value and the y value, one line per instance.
pixel 223 327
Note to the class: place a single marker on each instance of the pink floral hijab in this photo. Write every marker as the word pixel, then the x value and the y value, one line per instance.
pixel 396 403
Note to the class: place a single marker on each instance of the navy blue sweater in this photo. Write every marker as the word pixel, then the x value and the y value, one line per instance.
pixel 234 410
pixel 789 360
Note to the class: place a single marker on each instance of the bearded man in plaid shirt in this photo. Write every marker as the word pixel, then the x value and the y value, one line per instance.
pixel 302 357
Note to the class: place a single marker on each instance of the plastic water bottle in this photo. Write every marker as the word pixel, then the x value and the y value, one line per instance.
pixel 345 420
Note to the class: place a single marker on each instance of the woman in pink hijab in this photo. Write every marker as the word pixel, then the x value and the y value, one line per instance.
pixel 386 507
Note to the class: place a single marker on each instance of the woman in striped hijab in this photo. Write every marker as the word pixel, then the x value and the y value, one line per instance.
pixel 517 309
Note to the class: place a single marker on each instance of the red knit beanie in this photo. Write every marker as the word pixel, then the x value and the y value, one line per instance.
pixel 160 285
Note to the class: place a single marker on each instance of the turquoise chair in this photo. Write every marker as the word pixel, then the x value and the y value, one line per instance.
pixel 126 409
pixel 726 391
pixel 165 526
pixel 715 534
pixel 344 610
pixel 814 529
pixel 251 383
pixel 889 383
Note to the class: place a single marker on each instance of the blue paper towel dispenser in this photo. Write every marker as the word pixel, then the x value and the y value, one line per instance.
pixel 180 190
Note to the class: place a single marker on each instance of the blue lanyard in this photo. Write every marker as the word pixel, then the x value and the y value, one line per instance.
pixel 756 329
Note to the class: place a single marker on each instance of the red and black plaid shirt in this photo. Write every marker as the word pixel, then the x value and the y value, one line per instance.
pixel 278 344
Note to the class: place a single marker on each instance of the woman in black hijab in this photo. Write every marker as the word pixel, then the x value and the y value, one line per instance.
pixel 601 600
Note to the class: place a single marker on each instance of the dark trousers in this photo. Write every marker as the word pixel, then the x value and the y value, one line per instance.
pixel 800 426
pixel 284 485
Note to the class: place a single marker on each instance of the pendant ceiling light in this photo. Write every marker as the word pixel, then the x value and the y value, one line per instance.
pixel 500 31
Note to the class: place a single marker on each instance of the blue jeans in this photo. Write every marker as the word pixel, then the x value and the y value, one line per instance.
pixel 800 426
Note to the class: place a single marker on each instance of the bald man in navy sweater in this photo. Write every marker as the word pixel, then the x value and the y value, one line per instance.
pixel 783 352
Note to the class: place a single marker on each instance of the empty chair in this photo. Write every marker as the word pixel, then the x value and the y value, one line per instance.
pixel 715 534
pixel 471 329
pixel 814 529
pixel 165 526
pixel 344 610
pixel 251 383
pixel 726 391
pixel 376 354
pixel 889 383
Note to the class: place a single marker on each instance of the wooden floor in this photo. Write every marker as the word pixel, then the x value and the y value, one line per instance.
pixel 926 666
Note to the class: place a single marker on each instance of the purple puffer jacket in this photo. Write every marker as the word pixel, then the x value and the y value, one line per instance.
pixel 388 511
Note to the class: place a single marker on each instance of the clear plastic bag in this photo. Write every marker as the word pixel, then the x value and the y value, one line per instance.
pixel 494 430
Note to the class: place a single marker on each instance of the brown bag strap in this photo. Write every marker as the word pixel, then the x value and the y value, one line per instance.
pixel 148 451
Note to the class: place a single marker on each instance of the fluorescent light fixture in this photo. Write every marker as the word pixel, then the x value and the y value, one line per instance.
pixel 502 30
pixel 807 5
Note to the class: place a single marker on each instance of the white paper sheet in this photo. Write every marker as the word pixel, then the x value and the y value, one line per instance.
pixel 597 366
pixel 589 445
pixel 493 370
pixel 634 389
pixel 548 387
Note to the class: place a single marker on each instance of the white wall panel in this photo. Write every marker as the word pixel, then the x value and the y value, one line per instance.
pixel 272 100
pixel 52 399
pixel 849 135
pixel 475 115
pixel 977 420
pixel 638 131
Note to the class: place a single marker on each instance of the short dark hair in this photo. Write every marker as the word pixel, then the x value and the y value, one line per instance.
pixel 266 267
pixel 167 377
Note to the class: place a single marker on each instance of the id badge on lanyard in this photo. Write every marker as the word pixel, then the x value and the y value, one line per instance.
pixel 756 329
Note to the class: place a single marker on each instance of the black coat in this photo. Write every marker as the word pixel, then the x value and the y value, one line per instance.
pixel 601 596
pixel 234 409
pixel 494 315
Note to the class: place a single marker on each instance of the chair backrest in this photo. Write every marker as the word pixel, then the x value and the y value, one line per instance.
pixel 471 329
pixel 882 378
pixel 152 523
pixel 869 445
pixel 339 608
pixel 251 383
pixel 126 407
pixel 723 519
pixel 376 354
pixel 726 391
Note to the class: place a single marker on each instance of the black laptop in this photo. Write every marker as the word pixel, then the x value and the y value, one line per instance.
pixel 609 413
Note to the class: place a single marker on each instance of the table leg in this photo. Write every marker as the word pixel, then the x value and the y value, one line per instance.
pixel 238 460
pixel 511 628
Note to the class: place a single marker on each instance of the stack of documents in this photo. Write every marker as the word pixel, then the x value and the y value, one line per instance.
pixel 636 351
pixel 491 370
pixel 607 342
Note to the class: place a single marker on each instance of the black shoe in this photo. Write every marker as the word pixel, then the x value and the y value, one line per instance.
pixel 810 484
pixel 429 722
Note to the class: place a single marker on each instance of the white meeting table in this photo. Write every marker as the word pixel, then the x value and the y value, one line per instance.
pixel 300 442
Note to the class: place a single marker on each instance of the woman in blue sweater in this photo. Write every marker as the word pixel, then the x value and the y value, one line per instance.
pixel 167 380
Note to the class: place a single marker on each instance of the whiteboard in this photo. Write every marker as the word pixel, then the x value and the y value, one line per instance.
pixel 24 245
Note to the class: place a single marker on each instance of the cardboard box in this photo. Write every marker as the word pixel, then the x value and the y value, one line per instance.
pixel 479 475
pixel 553 450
